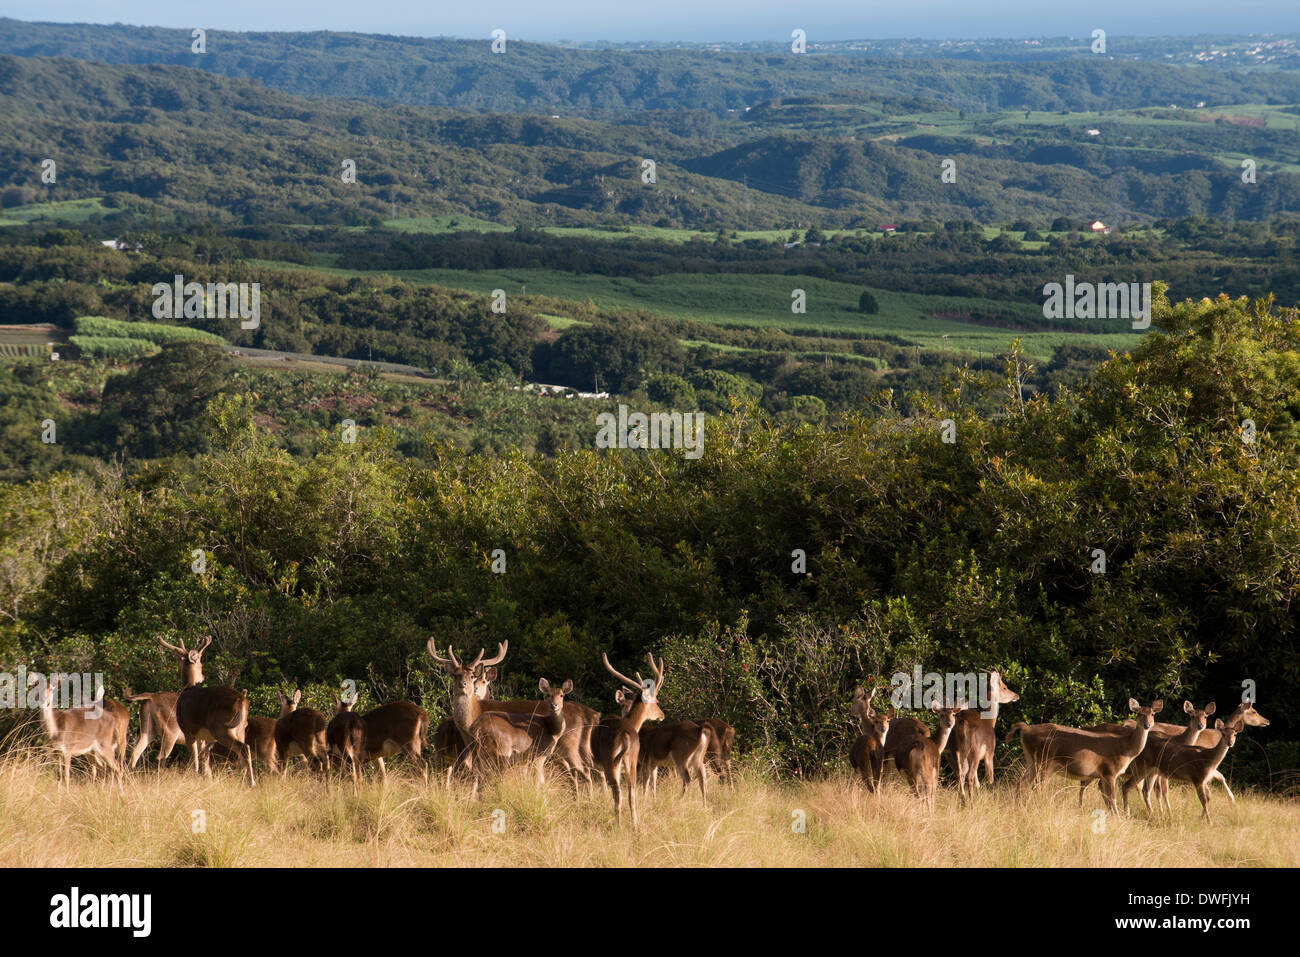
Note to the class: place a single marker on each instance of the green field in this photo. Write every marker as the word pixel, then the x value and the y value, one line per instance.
pixel 62 211
pixel 765 300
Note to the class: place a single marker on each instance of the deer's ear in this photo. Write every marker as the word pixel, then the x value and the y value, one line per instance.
pixel 544 686
pixel 890 713
pixel 1157 706
pixel 1187 706
pixel 490 674
pixel 1133 704
pixel 567 686
pixel 1209 709
pixel 1218 724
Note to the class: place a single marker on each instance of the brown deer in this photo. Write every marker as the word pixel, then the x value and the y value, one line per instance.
pixel 1195 765
pixel 1084 755
pixel 89 729
pixel 616 743
pixel 1244 714
pixel 867 755
pixel 157 723
pixel 719 751
pixel 345 736
pixel 466 703
pixel 209 715
pixel 399 727
pixel 1142 770
pixel 922 765
pixel 300 732
pixel 974 739
pixel 497 737
pixel 574 748
pixel 450 748
pixel 682 744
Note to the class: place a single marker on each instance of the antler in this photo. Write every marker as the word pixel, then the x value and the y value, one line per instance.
pixel 658 671
pixel 179 652
pixel 621 677
pixel 207 640
pixel 502 647
pixel 433 653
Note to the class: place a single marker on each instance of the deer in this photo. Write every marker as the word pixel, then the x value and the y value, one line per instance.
pixel 1142 770
pixel 122 717
pixel 209 715
pixel 616 743
pixel 974 739
pixel 398 727
pixel 867 755
pixel 922 765
pixel 346 737
pixel 466 703
pixel 574 748
pixel 497 737
pixel 1084 755
pixel 300 732
pixel 682 744
pixel 1195 765
pixel 157 723
pixel 74 731
pixel 448 745
pixel 259 738
pixel 1244 714
pixel 718 754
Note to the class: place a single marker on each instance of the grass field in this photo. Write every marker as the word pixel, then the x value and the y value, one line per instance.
pixel 764 300
pixel 304 821
pixel 63 211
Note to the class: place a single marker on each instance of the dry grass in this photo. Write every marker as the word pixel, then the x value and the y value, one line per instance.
pixel 304 821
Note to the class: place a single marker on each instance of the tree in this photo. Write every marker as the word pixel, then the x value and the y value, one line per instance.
pixel 867 304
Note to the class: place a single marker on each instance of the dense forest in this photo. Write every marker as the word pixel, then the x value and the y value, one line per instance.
pixel 175 144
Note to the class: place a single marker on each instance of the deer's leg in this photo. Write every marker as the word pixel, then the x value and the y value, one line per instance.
pixel 988 768
pixel 1083 786
pixel 383 771
pixel 1203 792
pixel 248 758
pixel 1217 776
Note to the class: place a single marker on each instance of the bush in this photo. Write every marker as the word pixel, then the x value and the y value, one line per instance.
pixel 114 347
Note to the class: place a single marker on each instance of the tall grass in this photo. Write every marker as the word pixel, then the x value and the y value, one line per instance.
pixel 304 821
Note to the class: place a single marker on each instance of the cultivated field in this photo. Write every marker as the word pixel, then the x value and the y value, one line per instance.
pixel 305 821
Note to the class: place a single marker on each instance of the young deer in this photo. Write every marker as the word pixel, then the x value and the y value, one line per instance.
pixel 573 750
pixel 1195 765
pixel 209 715
pixel 398 727
pixel 867 755
pixel 616 743
pixel 496 737
pixel 682 744
pixel 974 739
pixel 346 737
pixel 1142 771
pixel 1084 755
pixel 719 751
pixel 74 731
pixel 301 732
pixel 922 766
pixel 157 723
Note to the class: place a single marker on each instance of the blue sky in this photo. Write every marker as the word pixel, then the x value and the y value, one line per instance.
pixel 690 19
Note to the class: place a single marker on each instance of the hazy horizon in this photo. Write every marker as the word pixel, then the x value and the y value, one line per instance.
pixel 701 21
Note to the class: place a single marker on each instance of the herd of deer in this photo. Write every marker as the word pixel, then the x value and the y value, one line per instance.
pixel 482 734
pixel 1146 752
